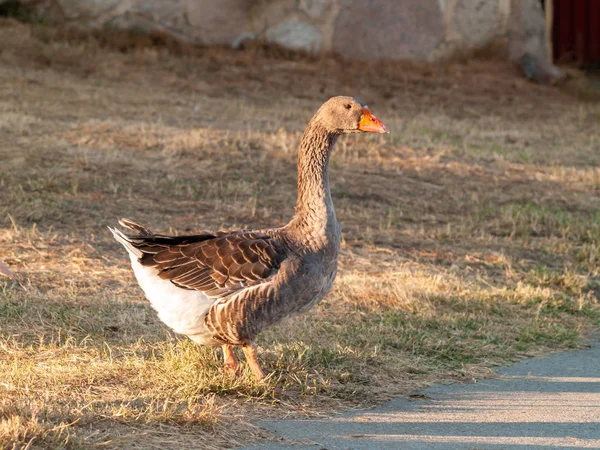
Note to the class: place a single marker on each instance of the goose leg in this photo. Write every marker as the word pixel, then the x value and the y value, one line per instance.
pixel 250 352
pixel 231 365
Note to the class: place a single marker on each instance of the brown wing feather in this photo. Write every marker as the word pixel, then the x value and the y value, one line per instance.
pixel 217 264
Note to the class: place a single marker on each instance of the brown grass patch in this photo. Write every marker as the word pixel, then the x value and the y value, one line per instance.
pixel 471 234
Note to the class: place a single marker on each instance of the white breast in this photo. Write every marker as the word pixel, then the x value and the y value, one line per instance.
pixel 181 309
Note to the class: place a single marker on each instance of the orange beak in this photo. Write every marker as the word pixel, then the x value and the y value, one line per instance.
pixel 368 122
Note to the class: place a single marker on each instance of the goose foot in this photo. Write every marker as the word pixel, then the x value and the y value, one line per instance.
pixel 230 364
pixel 250 352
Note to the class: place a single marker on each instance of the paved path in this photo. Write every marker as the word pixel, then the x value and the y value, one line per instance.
pixel 540 403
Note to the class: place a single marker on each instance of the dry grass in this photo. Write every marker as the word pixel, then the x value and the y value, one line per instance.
pixel 471 234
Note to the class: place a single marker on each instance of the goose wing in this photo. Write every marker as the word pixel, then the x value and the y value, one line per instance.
pixel 217 264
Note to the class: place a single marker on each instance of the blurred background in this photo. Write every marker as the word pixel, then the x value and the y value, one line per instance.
pixel 532 33
pixel 471 233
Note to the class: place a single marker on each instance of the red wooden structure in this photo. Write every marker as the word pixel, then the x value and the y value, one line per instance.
pixel 576 31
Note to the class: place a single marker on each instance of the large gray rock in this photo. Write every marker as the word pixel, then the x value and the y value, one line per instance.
pixel 527 42
pixel 314 8
pixel 363 30
pixel 266 14
pixel 382 29
pixel 296 35
pixel 219 22
pixel 477 22
pixel 90 10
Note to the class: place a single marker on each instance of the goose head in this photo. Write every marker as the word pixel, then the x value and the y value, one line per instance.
pixel 343 115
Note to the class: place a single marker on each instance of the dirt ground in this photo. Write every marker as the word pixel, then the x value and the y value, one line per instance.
pixel 471 233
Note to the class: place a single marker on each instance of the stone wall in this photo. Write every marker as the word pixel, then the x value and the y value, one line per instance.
pixel 357 29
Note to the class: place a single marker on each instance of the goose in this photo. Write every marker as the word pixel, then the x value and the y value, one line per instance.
pixel 223 288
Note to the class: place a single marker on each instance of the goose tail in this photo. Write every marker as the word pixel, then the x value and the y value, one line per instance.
pixel 126 241
pixel 142 230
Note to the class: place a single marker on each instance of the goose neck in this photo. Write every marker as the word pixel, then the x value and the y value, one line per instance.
pixel 314 209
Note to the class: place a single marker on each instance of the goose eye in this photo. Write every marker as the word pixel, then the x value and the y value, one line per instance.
pixel 348 106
